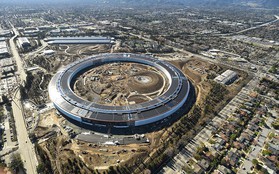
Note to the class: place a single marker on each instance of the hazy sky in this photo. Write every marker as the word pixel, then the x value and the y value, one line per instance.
pixel 41 1
pixel 26 2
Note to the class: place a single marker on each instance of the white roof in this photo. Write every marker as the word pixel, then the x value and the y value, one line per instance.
pixel 225 76
pixel 4 51
pixel 23 40
pixel 49 51
pixel 3 44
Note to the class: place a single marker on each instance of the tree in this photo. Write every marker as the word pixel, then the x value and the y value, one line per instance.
pixel 255 162
pixel 16 163
pixel 5 99
pixel 22 92
pixel 42 169
pixel 232 137
pixel 275 124
pixel 187 169
pixel 32 137
pixel 111 170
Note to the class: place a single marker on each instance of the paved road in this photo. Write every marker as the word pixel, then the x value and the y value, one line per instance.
pixel 258 26
pixel 189 54
pixel 175 165
pixel 251 28
pixel 214 61
pixel 19 62
pixel 26 148
pixel 40 49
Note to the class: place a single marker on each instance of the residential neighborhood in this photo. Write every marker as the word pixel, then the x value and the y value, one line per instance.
pixel 242 141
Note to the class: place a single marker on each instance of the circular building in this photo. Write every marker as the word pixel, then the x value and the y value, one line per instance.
pixel 119 90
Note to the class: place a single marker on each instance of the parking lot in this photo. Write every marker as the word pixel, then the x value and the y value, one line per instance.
pixel 9 142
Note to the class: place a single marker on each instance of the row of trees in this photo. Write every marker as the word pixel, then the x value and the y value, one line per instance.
pixel 34 89
pixel 44 166
pixel 16 163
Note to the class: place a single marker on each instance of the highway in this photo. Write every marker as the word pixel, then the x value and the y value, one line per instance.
pixel 241 31
pixel 251 28
pixel 26 148
pixel 258 26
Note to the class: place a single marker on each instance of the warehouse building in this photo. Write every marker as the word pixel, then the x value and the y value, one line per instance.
pixel 48 52
pixel 4 52
pixel 226 77
pixel 80 40
pixel 31 32
pixel 5 33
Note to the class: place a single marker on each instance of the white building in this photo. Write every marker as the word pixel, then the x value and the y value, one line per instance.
pixel 31 31
pixel 5 33
pixel 3 49
pixel 226 77
pixel 48 52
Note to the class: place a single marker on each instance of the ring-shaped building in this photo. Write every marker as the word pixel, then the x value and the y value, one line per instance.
pixel 90 113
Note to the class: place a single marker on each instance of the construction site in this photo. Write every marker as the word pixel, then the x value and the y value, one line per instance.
pixel 60 139
pixel 66 146
pixel 120 84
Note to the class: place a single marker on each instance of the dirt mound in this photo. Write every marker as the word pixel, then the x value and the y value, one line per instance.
pixel 154 82
pixel 112 84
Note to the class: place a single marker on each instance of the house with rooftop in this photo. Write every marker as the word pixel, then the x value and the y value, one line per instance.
pixel 223 170
pixel 204 164
pixel 198 169
pixel 274 148
pixel 233 157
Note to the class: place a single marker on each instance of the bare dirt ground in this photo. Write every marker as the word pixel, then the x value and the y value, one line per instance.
pixel 64 54
pixel 197 71
pixel 196 77
pixel 117 83
pixel 94 156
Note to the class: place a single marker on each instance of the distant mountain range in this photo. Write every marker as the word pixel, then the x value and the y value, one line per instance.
pixel 251 3
pixel 255 3
pixel 270 3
